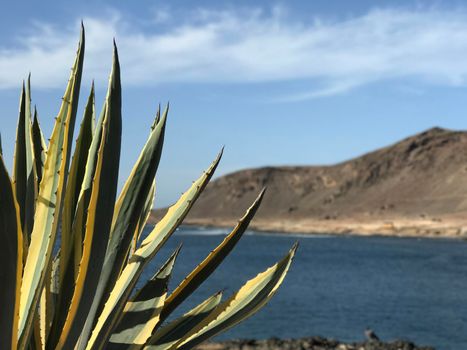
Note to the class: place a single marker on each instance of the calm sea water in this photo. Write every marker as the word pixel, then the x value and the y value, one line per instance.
pixel 402 288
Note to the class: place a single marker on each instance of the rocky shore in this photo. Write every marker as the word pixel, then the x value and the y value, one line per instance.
pixel 312 343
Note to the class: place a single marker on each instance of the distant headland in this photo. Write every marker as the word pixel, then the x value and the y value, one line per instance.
pixel 416 187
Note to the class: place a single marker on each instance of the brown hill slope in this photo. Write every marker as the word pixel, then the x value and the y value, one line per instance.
pixel 417 186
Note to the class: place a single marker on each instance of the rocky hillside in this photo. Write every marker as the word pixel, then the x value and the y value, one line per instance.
pixel 421 177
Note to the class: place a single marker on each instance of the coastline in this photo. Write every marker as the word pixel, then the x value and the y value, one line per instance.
pixel 312 343
pixel 401 227
pixel 412 188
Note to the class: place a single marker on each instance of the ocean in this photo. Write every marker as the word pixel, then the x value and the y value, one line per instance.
pixel 407 288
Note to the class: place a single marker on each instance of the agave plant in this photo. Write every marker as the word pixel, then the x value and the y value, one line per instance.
pixel 72 250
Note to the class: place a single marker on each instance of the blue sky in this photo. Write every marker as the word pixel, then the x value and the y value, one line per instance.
pixel 277 83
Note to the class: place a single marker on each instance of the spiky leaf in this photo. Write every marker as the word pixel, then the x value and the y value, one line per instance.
pixel 141 314
pixel 244 303
pixel 49 202
pixel 11 260
pixel 143 219
pixel 169 334
pixel 23 173
pixel 39 147
pixel 142 256
pixel 72 240
pixel 212 261
pixel 128 211
pixel 100 213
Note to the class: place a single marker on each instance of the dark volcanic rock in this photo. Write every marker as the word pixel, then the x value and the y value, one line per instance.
pixel 313 343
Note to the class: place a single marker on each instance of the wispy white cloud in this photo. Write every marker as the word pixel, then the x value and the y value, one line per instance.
pixel 333 88
pixel 251 45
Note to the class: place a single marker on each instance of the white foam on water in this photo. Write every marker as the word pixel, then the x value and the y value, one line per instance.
pixel 203 231
pixel 217 231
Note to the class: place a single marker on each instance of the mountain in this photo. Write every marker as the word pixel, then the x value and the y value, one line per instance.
pixel 417 186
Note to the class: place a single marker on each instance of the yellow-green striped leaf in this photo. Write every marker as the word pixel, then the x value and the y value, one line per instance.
pixel 31 177
pixel 211 262
pixel 169 334
pixel 19 158
pixel 49 202
pixel 79 220
pixel 158 117
pixel 78 229
pixel 46 309
pixel 23 173
pixel 72 240
pixel 128 210
pixel 142 256
pixel 143 219
pixel 244 303
pixel 100 213
pixel 141 314
pixel 39 147
pixel 11 261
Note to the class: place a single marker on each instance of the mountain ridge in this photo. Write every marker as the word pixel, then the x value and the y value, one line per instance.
pixel 420 181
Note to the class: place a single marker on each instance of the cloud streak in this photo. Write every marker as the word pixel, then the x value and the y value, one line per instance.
pixel 254 46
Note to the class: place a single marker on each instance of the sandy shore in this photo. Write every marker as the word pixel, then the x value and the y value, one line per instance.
pixel 448 227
